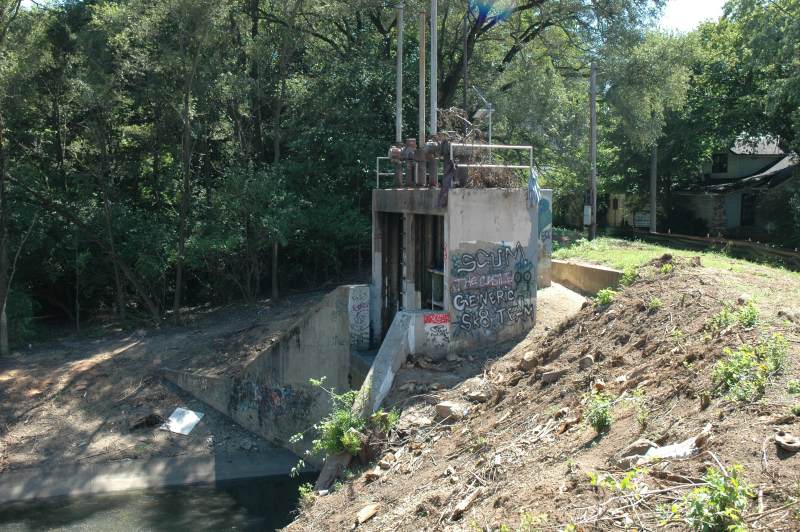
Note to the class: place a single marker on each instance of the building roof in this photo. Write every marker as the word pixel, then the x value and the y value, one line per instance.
pixel 771 177
pixel 765 145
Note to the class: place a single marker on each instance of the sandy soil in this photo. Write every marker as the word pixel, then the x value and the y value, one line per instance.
pixel 77 399
pixel 521 456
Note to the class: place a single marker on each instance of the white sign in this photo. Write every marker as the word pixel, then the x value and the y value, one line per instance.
pixel 587 215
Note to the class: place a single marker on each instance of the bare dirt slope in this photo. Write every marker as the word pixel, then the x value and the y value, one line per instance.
pixel 77 399
pixel 522 456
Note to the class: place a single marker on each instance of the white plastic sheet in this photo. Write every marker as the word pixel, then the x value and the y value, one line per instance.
pixel 182 421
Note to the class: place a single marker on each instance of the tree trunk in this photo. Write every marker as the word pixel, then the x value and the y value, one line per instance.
pixel 183 222
pixel 4 285
pixel 275 293
pixel 653 187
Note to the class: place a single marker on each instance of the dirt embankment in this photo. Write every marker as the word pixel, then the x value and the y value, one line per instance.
pixel 524 457
pixel 82 400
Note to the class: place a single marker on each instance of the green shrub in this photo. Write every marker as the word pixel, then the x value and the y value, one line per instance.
pixel 796 410
pixel 747 316
pixel 667 268
pixel 605 297
pixel 723 319
pixel 629 276
pixel 743 374
pixel 598 412
pixel 334 431
pixel 719 504
pixel 793 386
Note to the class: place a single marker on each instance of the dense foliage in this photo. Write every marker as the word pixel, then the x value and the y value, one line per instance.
pixel 162 153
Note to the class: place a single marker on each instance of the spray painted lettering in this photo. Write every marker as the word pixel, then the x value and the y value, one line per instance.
pixel 437 329
pixel 492 287
pixel 358 309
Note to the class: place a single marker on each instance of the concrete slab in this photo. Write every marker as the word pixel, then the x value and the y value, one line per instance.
pixel 587 279
pixel 88 479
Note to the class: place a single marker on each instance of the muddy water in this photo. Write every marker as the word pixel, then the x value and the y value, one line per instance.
pixel 254 504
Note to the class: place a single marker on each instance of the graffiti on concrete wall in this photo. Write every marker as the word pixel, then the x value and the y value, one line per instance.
pixel 491 287
pixel 437 329
pixel 358 310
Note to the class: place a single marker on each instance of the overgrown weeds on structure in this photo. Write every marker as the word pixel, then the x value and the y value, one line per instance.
pixel 742 374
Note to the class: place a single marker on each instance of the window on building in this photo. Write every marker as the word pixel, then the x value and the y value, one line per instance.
pixel 719 163
pixel 748 209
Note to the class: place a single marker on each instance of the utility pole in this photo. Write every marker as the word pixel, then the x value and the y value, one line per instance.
pixel 465 103
pixel 653 187
pixel 398 121
pixel 593 150
pixel 421 104
pixel 434 67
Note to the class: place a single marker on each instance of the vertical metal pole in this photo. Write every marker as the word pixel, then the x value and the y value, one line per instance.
pixel 421 140
pixel 465 103
pixel 593 149
pixel 398 119
pixel 434 67
pixel 653 187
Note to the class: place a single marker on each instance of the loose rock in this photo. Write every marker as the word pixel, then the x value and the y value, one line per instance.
pixel 529 361
pixel 367 513
pixel 586 362
pixel 451 410
pixel 553 376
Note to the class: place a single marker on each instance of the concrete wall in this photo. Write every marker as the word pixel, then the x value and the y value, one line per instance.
pixel 587 279
pixel 272 396
pixel 492 244
pixel 545 228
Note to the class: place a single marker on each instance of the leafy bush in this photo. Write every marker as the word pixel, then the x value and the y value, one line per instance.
pixel 796 409
pixel 667 268
pixel 605 297
pixel 629 276
pixel 598 412
pixel 723 319
pixel 335 434
pixel 743 374
pixel 747 316
pixel 719 504
pixel 793 386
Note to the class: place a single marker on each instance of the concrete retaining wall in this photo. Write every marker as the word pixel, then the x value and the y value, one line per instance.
pixel 273 397
pixel 587 279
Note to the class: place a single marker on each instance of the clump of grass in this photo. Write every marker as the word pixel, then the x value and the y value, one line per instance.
pixel 667 268
pixel 629 276
pixel 793 386
pixel 717 505
pixel 604 297
pixel 598 412
pixel 742 374
pixel 654 304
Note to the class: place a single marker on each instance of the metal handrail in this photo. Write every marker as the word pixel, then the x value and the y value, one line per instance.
pixel 378 173
pixel 529 149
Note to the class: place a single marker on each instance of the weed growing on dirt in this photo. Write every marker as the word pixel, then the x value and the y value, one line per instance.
pixel 747 316
pixel 604 297
pixel 793 386
pixel 667 268
pixel 717 505
pixel 743 374
pixel 642 411
pixel 629 276
pixel 598 412
pixel 654 304
pixel 306 492
pixel 629 483
pixel 796 410
pixel 723 319
pixel 342 430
